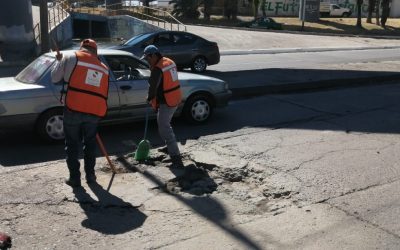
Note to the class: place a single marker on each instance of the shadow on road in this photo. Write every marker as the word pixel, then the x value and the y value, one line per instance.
pixel 207 207
pixel 110 214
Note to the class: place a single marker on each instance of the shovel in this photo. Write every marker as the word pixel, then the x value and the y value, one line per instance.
pixel 143 149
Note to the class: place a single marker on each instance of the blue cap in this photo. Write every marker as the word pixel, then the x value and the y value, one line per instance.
pixel 149 50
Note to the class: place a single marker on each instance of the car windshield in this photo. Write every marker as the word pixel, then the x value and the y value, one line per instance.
pixel 137 39
pixel 35 70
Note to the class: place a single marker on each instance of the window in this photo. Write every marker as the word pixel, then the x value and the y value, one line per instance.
pixel 183 39
pixel 35 70
pixel 162 40
pixel 125 68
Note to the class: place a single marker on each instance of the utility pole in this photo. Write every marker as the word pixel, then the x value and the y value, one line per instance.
pixel 44 27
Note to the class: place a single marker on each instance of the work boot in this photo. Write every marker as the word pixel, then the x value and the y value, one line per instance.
pixel 91 178
pixel 73 182
pixel 177 161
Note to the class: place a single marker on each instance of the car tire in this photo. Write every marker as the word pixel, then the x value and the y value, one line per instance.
pixel 50 126
pixel 198 109
pixel 199 64
pixel 346 14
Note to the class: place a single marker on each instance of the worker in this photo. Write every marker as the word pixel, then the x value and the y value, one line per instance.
pixel 85 103
pixel 164 95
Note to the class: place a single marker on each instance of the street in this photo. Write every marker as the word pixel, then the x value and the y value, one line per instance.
pixel 306 170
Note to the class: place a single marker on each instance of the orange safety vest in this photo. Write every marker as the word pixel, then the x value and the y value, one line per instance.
pixel 88 85
pixel 171 87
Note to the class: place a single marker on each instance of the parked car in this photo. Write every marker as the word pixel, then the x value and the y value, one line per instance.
pixel 263 23
pixel 31 100
pixel 186 49
pixel 326 9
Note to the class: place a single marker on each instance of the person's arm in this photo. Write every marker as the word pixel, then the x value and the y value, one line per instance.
pixel 154 82
pixel 63 68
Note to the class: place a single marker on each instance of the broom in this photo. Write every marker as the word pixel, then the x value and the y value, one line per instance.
pixel 143 149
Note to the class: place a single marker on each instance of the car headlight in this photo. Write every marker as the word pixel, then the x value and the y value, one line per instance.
pixel 2 109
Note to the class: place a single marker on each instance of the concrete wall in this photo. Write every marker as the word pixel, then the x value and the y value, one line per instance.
pixel 291 7
pixel 127 27
pixel 16 30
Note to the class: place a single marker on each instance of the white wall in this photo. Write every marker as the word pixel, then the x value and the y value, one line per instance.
pixel 291 7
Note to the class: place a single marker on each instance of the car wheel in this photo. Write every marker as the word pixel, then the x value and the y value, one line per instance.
pixel 198 108
pixel 199 64
pixel 50 126
pixel 346 14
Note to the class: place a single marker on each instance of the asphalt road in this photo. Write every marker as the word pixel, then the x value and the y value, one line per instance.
pixel 249 70
pixel 23 147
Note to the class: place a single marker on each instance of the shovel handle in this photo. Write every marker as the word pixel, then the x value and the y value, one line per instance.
pixel 103 150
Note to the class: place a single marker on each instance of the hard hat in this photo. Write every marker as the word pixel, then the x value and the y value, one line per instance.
pixel 89 43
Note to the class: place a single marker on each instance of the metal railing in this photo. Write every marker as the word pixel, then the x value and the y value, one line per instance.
pixel 154 16
pixel 56 14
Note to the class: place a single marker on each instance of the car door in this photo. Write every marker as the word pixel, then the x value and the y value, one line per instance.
pixel 335 10
pixel 184 48
pixel 131 81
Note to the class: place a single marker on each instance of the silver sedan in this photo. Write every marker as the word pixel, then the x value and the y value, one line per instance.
pixel 31 100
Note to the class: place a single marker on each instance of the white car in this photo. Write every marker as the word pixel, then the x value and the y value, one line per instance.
pixel 31 100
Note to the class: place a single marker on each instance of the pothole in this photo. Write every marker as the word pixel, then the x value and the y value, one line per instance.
pixel 194 180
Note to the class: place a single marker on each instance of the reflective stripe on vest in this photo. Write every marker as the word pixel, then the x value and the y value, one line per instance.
pixel 171 87
pixel 88 86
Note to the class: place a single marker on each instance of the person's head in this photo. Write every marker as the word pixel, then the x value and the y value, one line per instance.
pixel 90 45
pixel 151 54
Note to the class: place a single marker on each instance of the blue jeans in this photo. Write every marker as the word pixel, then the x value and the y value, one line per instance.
pixel 80 130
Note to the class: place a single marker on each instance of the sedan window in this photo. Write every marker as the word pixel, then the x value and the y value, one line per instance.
pixel 125 68
pixel 183 39
pixel 35 70
pixel 162 40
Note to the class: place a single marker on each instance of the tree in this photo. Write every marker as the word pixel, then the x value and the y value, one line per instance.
pixel 208 4
pixel 378 3
pixel 263 2
pixel 230 9
pixel 256 5
pixel 371 7
pixel 385 12
pixel 359 4
pixel 186 8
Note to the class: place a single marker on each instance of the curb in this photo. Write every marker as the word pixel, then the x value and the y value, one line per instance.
pixel 254 91
pixel 298 50
pixel 296 32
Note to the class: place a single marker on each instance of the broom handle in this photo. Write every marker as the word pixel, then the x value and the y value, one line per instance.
pixel 146 123
pixel 103 150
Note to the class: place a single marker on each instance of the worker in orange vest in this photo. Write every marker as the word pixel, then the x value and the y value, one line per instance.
pixel 85 103
pixel 164 95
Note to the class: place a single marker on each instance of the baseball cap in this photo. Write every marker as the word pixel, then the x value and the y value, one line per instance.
pixel 149 50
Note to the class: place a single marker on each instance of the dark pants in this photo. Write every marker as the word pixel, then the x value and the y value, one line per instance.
pixel 80 130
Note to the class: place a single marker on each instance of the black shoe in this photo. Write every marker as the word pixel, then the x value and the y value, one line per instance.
pixel 177 161
pixel 73 183
pixel 91 178
pixel 163 150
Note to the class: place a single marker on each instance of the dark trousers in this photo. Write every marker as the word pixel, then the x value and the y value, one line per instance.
pixel 80 131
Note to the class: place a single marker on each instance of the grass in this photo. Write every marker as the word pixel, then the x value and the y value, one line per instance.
pixel 324 25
